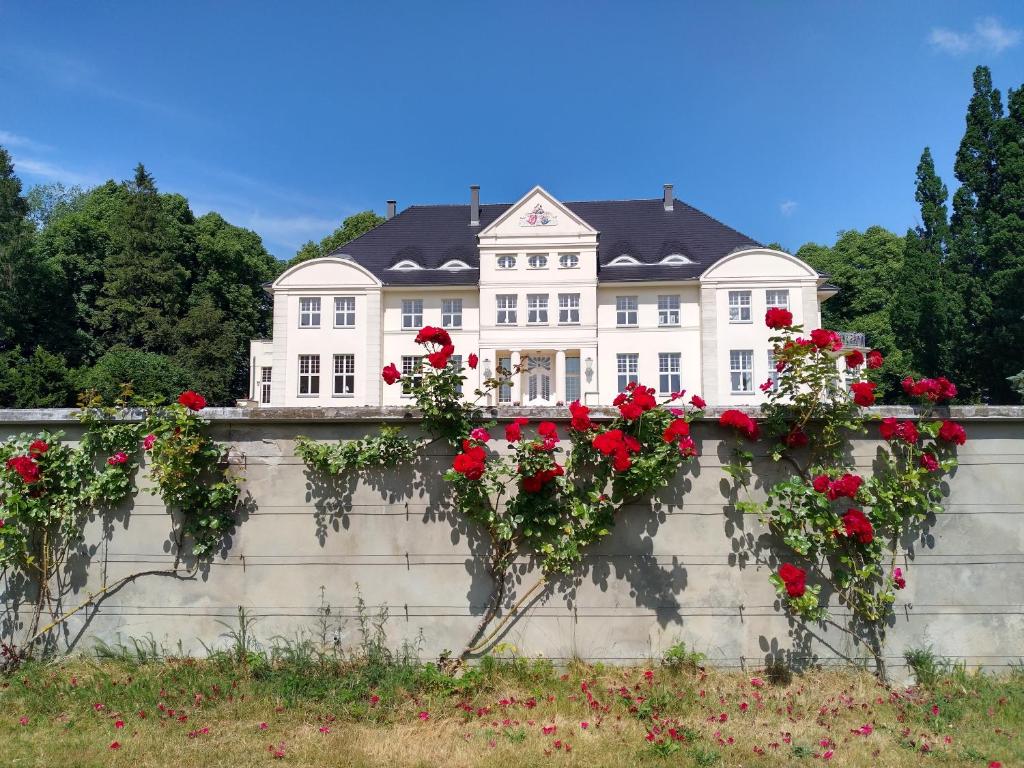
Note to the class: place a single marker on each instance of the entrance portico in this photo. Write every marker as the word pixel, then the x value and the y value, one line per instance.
pixel 541 377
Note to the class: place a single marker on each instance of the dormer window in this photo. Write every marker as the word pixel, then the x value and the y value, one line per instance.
pixel 569 260
pixel 623 260
pixel 406 265
pixel 455 265
pixel 507 261
pixel 676 258
pixel 538 260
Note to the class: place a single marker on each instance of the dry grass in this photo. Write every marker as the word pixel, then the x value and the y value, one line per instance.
pixel 496 718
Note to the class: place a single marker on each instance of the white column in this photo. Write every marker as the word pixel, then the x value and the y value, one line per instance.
pixel 558 391
pixel 516 378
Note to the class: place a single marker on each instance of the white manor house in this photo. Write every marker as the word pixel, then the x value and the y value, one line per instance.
pixel 583 296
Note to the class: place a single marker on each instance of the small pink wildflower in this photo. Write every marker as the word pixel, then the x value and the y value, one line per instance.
pixel 424 716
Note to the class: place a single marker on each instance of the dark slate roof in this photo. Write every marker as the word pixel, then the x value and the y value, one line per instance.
pixel 431 235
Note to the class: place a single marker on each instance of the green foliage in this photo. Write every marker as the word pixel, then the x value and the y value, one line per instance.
pixel 40 380
pixel 152 376
pixel 388 449
pixel 928 669
pixel 352 227
pixel 678 657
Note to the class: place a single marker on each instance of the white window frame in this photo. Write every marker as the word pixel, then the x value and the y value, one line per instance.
pixel 670 372
pixel 266 382
pixel 568 309
pixel 773 374
pixel 309 376
pixel 412 373
pixel 455 363
pixel 309 312
pixel 412 314
pixel 772 296
pixel 669 312
pixel 345 370
pixel 451 313
pixel 537 261
pixel 573 381
pixel 741 371
pixel 505 388
pixel 627 366
pixel 536 309
pixel 506 261
pixel 740 307
pixel 568 261
pixel 627 311
pixel 507 309
pixel 345 308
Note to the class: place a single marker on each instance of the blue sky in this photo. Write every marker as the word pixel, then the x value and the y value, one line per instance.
pixel 789 121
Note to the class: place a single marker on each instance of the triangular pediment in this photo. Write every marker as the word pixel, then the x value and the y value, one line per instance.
pixel 537 214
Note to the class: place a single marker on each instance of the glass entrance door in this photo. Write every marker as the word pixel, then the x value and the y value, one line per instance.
pixel 538 380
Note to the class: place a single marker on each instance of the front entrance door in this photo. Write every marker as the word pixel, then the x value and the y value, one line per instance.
pixel 538 380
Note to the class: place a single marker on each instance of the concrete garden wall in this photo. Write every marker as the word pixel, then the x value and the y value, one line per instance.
pixel 679 568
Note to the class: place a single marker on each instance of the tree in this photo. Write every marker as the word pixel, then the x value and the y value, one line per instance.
pixel 355 225
pixel 921 315
pixel 47 202
pixel 152 376
pixel 41 380
pixel 866 268
pixel 19 271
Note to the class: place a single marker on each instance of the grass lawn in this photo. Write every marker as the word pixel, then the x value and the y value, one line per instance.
pixel 311 712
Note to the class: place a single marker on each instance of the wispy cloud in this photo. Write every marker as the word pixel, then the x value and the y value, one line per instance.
pixel 44 170
pixel 788 207
pixel 988 35
pixel 8 139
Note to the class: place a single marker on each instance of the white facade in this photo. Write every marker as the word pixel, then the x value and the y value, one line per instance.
pixel 538 304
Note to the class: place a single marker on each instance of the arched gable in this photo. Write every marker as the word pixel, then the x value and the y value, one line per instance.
pixel 326 271
pixel 752 263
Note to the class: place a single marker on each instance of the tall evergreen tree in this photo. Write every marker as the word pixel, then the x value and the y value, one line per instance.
pixel 19 272
pixel 921 313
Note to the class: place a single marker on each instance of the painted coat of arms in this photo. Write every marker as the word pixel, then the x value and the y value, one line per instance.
pixel 538 217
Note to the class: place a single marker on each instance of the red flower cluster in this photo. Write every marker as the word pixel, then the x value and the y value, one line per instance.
pixel 514 431
pixel 430 335
pixel 825 339
pixel 698 402
pixel 854 359
pixel 619 445
pixel 635 401
pixel 901 430
pixel 536 482
pixel 858 526
pixel 739 421
pixel 794 578
pixel 847 485
pixel 470 463
pixel 117 459
pixel 390 374
pixel 439 358
pixel 952 432
pixel 897 578
pixel 473 360
pixel 796 438
pixel 26 467
pixel 192 400
pixel 778 318
pixel 580 416
pixel 936 390
pixel 863 393
pixel 875 359
pixel 929 462
pixel 38 448
pixel 679 430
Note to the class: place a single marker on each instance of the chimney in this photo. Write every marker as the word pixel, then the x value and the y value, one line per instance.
pixel 669 197
pixel 391 209
pixel 474 205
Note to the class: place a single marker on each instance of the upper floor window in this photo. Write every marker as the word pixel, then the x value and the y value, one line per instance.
pixel 344 375
pixel 506 261
pixel 668 310
pixel 741 370
pixel 628 368
pixel 309 312
pixel 568 260
pixel 739 306
pixel 412 373
pixel 777 298
pixel 412 313
pixel 537 260
pixel 569 308
pixel 344 311
pixel 451 313
pixel 625 310
pixel 266 375
pixel 537 308
pixel 309 375
pixel 506 309
pixel 669 376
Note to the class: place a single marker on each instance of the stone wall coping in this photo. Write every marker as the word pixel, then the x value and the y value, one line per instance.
pixel 359 414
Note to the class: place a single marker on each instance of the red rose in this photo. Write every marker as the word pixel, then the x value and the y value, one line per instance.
pixel 875 359
pixel 26 468
pixel 847 485
pixel 473 360
pixel 38 448
pixel 740 422
pixel 430 334
pixel 192 400
pixel 677 429
pixel 929 462
pixel 796 438
pixel 470 463
pixel 794 578
pixel 777 318
pixel 631 411
pixel 513 433
pixel 532 484
pixel 687 447
pixel 825 339
pixel 934 390
pixel 854 359
pixel 897 578
pixel 547 429
pixel 863 392
pixel 698 402
pixel 480 435
pixel 857 525
pixel 118 458
pixel 903 430
pixel 821 483
pixel 390 374
pixel 148 441
pixel 439 359
pixel 621 462
pixel 580 416
pixel 952 432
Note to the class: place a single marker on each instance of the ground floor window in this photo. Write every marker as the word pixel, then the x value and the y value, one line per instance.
pixel 669 376
pixel 412 372
pixel 572 379
pixel 309 374
pixel 505 389
pixel 628 366
pixel 741 370
pixel 344 375
pixel 266 373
